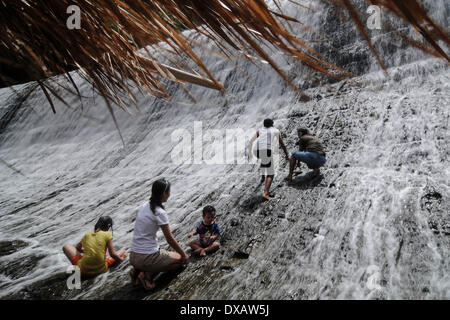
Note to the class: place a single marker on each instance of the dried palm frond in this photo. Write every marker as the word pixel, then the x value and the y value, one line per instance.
pixel 35 40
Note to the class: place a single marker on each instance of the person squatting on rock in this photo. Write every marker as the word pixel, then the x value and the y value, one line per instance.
pixel 266 138
pixel 90 254
pixel 146 257
pixel 310 152
pixel 208 231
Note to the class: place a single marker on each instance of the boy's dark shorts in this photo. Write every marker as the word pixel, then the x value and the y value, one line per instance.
pixel 265 156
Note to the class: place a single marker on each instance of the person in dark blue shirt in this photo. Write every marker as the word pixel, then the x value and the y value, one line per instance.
pixel 208 231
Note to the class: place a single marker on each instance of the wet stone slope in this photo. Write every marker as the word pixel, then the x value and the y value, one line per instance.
pixel 374 225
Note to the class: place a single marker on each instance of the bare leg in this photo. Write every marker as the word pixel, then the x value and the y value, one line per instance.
pixel 194 244
pixel 196 247
pixel 150 276
pixel 134 274
pixel 213 247
pixel 263 176
pixel 199 250
pixel 146 278
pixel 292 162
pixel 176 262
pixel 316 172
pixel 70 251
pixel 267 187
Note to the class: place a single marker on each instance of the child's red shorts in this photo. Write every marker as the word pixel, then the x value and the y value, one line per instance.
pixel 110 261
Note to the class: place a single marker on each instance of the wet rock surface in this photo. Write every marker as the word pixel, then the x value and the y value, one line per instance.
pixel 354 231
pixel 8 247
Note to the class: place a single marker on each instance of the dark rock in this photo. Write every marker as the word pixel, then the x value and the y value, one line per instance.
pixel 241 254
pixel 226 268
pixel 234 222
pixel 52 288
pixel 8 247
pixel 433 195
pixel 19 267
pixel 250 203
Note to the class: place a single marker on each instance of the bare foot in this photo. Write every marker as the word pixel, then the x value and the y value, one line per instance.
pixel 147 284
pixel 197 251
pixel 266 196
pixel 149 276
pixel 134 278
pixel 288 178
pixel 203 253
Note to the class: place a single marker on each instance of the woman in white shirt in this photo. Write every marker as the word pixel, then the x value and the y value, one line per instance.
pixel 146 257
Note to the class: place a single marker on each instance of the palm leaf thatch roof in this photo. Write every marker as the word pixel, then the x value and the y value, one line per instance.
pixel 35 40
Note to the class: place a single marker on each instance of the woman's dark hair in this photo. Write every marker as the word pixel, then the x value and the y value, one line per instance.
pixel 158 188
pixel 208 209
pixel 104 223
pixel 268 123
pixel 303 131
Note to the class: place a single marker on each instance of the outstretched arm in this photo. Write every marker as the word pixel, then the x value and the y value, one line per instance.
pixel 216 234
pixel 173 243
pixel 250 144
pixel 193 233
pixel 214 237
pixel 112 252
pixel 283 146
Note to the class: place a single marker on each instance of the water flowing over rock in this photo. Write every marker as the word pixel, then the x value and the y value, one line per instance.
pixel 374 225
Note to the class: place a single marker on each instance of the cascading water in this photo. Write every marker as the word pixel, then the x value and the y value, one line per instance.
pixel 375 225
